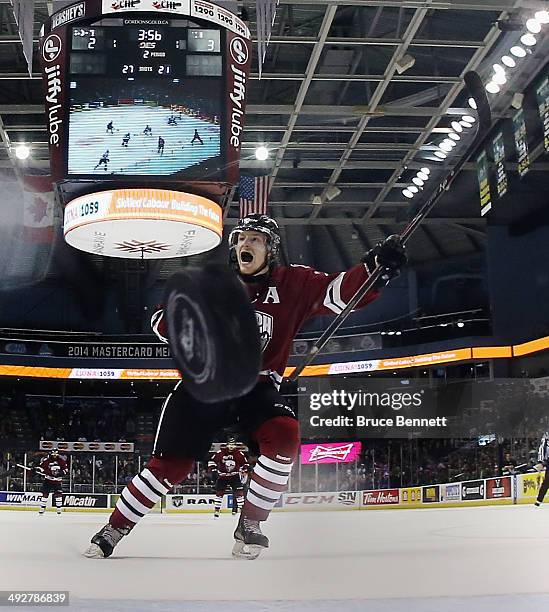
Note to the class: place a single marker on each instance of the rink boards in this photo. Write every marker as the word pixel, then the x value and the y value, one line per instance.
pixel 504 490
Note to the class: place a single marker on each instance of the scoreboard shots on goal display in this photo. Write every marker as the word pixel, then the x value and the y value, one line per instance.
pixel 145 103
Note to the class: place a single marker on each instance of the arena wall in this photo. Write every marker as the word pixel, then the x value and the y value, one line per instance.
pixel 503 490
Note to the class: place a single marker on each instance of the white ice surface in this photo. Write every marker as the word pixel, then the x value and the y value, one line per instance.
pixel 444 560
pixel 88 140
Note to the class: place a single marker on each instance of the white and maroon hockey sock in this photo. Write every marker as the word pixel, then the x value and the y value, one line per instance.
pixel 43 503
pixel 218 503
pixel 240 501
pixel 269 481
pixel 146 489
pixel 58 503
pixel 278 440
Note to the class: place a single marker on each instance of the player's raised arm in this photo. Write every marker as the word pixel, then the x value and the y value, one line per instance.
pixel 329 293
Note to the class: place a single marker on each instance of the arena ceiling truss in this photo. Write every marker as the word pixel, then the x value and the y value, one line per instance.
pixel 352 97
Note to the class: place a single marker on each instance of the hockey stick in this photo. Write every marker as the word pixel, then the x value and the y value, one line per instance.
pixel 25 467
pixel 477 91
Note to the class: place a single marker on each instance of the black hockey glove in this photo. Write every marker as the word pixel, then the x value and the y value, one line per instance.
pixel 390 254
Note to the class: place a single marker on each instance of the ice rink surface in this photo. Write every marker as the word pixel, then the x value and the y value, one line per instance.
pixel 88 140
pixel 443 560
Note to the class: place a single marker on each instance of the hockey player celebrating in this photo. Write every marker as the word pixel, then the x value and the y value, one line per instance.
pixel 543 463
pixel 52 468
pixel 283 298
pixel 229 465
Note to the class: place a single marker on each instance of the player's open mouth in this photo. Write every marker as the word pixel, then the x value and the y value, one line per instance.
pixel 246 257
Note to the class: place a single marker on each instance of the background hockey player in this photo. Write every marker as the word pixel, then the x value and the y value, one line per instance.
pixel 161 143
pixel 110 127
pixel 228 465
pixel 103 161
pixel 52 468
pixel 543 463
pixel 126 139
pixel 197 137
pixel 283 298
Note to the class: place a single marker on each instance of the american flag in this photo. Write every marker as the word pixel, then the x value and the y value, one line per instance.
pixel 254 194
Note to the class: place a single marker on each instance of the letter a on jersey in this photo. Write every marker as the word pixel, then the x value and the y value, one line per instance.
pixel 272 296
pixel 265 325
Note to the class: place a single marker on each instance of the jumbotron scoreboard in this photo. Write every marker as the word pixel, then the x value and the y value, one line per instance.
pixel 143 94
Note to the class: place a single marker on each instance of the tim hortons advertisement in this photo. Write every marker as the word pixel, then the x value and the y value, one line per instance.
pixel 24 499
pixel 410 495
pixel 498 488
pixel 87 500
pixel 380 497
pixel 451 492
pixel 431 494
pixel 473 489
pixel 330 452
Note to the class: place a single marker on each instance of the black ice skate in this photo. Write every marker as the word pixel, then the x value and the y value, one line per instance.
pixel 104 541
pixel 249 541
pixel 537 503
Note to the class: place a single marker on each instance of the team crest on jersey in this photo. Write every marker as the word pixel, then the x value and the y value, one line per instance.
pixel 265 324
pixel 230 464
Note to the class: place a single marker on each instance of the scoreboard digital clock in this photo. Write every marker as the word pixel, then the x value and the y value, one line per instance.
pixel 145 51
pixel 145 90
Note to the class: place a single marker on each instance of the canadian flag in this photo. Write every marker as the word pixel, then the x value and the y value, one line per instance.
pixel 38 202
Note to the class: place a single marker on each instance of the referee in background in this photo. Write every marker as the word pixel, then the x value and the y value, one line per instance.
pixel 543 461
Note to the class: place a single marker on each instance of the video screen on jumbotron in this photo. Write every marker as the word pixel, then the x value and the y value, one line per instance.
pixel 145 101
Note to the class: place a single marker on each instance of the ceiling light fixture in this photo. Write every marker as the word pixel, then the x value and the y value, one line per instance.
pixel 332 192
pixel 518 51
pixel 413 189
pixel 533 25
pixel 441 154
pixel 456 126
pixel 454 136
pixel 499 78
pixel 404 63
pixel 472 103
pixel 493 88
pixel 542 17
pixel 528 39
pixel 262 153
pixel 407 193
pixel 22 151
pixel 424 177
pixel 508 61
pixel 426 170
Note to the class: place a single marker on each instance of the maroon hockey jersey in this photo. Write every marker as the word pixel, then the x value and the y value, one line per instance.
pixel 283 302
pixel 228 463
pixel 53 470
